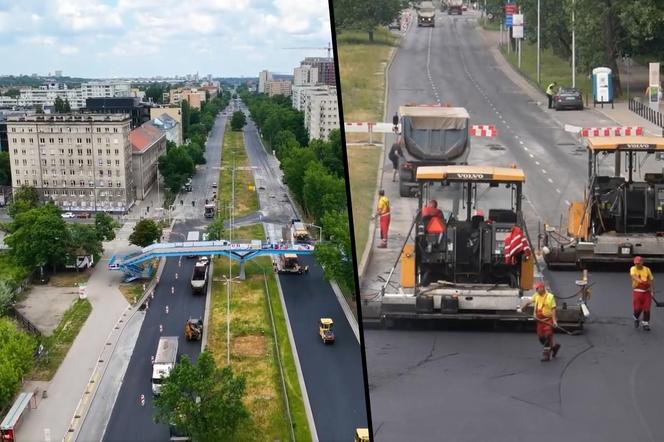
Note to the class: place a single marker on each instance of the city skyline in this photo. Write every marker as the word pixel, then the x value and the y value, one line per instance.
pixel 118 39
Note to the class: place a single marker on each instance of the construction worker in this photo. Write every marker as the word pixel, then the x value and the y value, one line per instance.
pixel 394 155
pixel 544 313
pixel 642 288
pixel 383 214
pixel 549 93
pixel 436 222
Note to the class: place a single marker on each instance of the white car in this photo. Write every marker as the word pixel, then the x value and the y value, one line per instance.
pixel 68 215
pixel 214 185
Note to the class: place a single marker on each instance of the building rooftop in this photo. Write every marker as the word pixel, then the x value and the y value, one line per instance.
pixel 69 118
pixel 144 136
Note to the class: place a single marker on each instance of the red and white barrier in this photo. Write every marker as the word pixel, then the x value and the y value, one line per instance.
pixel 611 131
pixel 358 127
pixel 483 130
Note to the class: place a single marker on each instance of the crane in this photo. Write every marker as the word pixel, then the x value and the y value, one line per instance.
pixel 328 48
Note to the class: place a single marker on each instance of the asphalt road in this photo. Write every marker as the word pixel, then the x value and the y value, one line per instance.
pixel 129 420
pixel 479 384
pixel 333 373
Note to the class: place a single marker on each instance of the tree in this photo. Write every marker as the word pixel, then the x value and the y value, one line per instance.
pixel 176 166
pixel 59 105
pixel 66 107
pixel 322 191
pixel 12 92
pixel 155 92
pixel 336 255
pixel 330 153
pixel 7 296
pixel 105 226
pixel 84 240
pixel 216 230
pixel 202 401
pixel 16 359
pixel 238 121
pixel 295 165
pixel 5 169
pixel 186 110
pixel 366 15
pixel 38 237
pixel 39 109
pixel 25 198
pixel 145 232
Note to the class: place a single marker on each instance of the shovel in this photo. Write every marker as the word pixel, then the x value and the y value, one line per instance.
pixel 564 330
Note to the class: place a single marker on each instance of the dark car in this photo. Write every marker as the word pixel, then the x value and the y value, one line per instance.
pixel 567 98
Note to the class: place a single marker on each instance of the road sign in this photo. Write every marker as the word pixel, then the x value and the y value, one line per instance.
pixel 517 31
pixel 510 8
pixel 517 19
pixel 508 21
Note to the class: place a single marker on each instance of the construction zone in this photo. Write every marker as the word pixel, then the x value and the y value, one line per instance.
pixel 474 262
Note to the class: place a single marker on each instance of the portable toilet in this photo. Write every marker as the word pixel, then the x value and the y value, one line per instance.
pixel 602 85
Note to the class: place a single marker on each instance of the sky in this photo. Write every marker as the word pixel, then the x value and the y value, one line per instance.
pixel 144 38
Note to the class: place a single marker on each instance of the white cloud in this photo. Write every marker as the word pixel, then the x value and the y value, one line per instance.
pixel 69 50
pixel 41 40
pixel 84 15
pixel 223 5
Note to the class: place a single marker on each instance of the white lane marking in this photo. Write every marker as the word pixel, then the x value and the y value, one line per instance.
pixel 550 180
pixel 525 148
pixel 568 203
pixel 544 171
pixel 520 142
pixel 531 155
pixel 558 190
pixel 537 162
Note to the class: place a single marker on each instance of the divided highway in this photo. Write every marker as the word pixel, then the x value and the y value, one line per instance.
pixel 476 383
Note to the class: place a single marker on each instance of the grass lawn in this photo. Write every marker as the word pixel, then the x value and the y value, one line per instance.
pixel 248 232
pixel 246 201
pixel 553 68
pixel 60 341
pixel 11 271
pixel 132 291
pixel 362 73
pixel 364 163
pixel 253 352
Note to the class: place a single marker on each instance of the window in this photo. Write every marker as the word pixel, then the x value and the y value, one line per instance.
pixel 80 151
pixel 25 162
pixel 88 151
pixel 73 183
pixel 89 162
pixel 98 151
pixel 119 184
pixel 99 140
pixel 34 182
pixel 52 161
pixel 101 173
pixel 16 162
pixel 117 163
pixel 81 183
pixel 88 140
pixel 108 151
pixel 16 151
pixel 80 163
pixel 62 162
pixel 41 140
pixel 72 172
pixel 70 152
pixel 115 129
pixel 117 151
pixel 51 140
pixel 106 129
pixel 79 140
pixel 99 129
pixel 64 172
pixel 61 140
pixel 18 182
pixel 101 162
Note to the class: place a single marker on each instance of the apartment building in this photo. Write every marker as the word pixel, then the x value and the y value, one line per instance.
pixel 148 143
pixel 278 87
pixel 305 76
pixel 46 94
pixel 170 127
pixel 325 67
pixel 299 95
pixel 321 113
pixel 263 78
pixel 81 162
pixel 193 96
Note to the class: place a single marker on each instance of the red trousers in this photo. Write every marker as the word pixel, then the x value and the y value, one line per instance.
pixel 384 226
pixel 544 329
pixel 641 301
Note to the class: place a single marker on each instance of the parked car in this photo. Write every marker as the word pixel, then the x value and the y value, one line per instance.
pixel 214 185
pixel 83 215
pixel 568 97
pixel 68 215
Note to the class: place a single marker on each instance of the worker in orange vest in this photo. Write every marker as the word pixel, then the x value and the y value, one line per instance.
pixel 436 223
pixel 383 214
pixel 642 288
pixel 545 317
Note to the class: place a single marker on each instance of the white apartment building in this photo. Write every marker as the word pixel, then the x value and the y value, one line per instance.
pixel 46 94
pixel 278 87
pixel 321 112
pixel 305 76
pixel 299 95
pixel 263 78
pixel 81 162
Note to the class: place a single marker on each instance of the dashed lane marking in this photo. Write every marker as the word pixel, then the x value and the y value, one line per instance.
pixel 550 180
pixel 558 190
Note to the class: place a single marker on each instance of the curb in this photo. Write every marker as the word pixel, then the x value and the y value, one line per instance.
pixel 368 248
pixel 97 375
pixel 345 307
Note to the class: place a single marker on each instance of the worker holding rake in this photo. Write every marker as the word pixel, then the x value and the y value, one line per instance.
pixel 642 289
pixel 544 304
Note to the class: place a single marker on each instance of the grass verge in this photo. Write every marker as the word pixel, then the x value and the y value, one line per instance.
pixel 362 72
pixel 552 68
pixel 364 163
pixel 246 201
pixel 132 291
pixel 253 353
pixel 489 25
pixel 60 341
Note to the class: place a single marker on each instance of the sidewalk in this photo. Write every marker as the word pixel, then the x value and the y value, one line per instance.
pixel 51 419
pixel 620 115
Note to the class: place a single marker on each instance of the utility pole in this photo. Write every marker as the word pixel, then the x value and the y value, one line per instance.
pixel 539 79
pixel 573 48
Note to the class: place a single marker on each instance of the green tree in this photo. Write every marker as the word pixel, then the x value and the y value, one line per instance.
pixel 336 255
pixel 216 229
pixel 59 105
pixel 5 169
pixel 38 237
pixel 145 232
pixel 39 109
pixel 366 15
pixel 12 92
pixel 24 199
pixel 84 238
pixel 202 400
pixel 322 191
pixel 155 92
pixel 66 107
pixel 186 111
pixel 7 296
pixel 16 359
pixel 238 121
pixel 176 166
pixel 330 153
pixel 105 226
pixel 295 165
